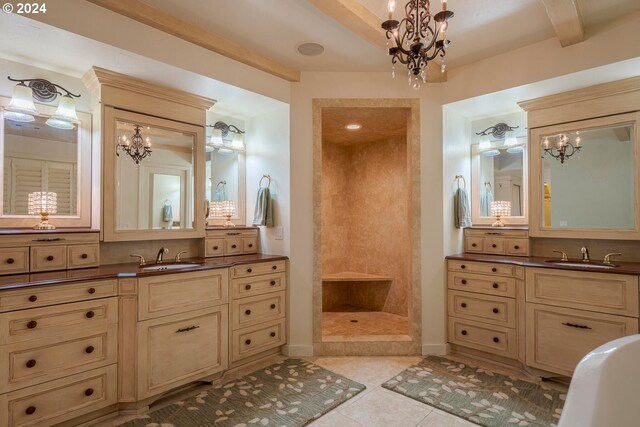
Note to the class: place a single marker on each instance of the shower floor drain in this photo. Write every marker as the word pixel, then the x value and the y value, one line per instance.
pixel 354 321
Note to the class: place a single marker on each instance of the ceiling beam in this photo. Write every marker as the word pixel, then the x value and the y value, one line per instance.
pixel 163 21
pixel 566 21
pixel 352 15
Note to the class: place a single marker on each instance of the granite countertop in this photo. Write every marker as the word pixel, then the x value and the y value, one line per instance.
pixel 113 271
pixel 622 267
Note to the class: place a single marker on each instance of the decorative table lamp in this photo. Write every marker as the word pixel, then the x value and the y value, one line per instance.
pixel 223 209
pixel 500 208
pixel 43 203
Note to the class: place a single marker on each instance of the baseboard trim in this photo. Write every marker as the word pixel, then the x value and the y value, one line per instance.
pixel 435 349
pixel 298 350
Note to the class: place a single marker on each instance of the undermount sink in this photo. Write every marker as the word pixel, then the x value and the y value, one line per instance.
pixel 161 267
pixel 581 264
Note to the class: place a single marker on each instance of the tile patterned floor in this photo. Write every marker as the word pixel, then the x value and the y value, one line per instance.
pixel 340 326
pixel 376 406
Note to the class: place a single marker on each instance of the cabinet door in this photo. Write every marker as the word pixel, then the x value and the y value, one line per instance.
pixel 560 337
pixel 178 349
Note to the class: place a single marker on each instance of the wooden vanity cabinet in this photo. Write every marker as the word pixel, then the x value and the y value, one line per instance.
pixel 497 241
pixel 231 241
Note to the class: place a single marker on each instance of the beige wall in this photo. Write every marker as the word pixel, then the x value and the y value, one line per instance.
pixel 365 214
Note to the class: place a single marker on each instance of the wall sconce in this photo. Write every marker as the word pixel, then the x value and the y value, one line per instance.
pixel 562 148
pixel 43 203
pixel 22 109
pixel 500 208
pixel 137 148
pixel 223 209
pixel 225 138
pixel 499 131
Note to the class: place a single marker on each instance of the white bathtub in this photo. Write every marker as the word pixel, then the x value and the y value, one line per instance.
pixel 605 389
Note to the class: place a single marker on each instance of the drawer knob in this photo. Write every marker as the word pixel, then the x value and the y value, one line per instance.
pixel 464 281
pixel 31 363
pixel 463 305
pixel 84 256
pixel 250 245
pixel 30 410
pixel 50 258
pixel 516 247
pixel 89 349
pixel 273 306
pixel 91 290
pixel 473 245
pixel 495 286
pixel 247 312
pixel 494 269
pixel 215 248
pixel 248 342
pixel 463 332
pixel 463 266
pixel 496 311
pixel 88 392
pixel 233 246
pixel 273 334
pixel 247 287
pixel 496 339
pixel 10 260
pixel 494 245
pixel 249 270
pixel 90 314
pixel 33 298
pixel 32 324
pixel 274 267
pixel 273 283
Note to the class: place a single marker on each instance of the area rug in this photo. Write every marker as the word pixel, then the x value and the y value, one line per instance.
pixel 478 395
pixel 290 393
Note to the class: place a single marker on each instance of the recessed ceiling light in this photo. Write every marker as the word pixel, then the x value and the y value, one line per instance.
pixel 310 48
pixel 353 126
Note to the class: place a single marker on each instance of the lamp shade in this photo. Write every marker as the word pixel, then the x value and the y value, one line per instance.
pixel 484 144
pixel 65 116
pixel 238 142
pixel 42 202
pixel 21 108
pixel 216 138
pixel 500 208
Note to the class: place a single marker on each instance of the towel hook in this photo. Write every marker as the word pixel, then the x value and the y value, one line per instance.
pixel 268 177
pixel 464 182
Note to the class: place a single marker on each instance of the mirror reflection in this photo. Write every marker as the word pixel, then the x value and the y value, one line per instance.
pixel 157 193
pixel 39 158
pixel 588 178
pixel 222 176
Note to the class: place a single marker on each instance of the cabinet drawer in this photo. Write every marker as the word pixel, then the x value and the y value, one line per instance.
pixel 495 232
pixel 257 269
pixel 481 267
pixel 601 292
pixel 14 260
pixel 168 294
pixel 81 256
pixel 256 339
pixel 213 247
pixel 226 233
pixel 493 245
pixel 232 245
pixel 484 308
pixel 59 321
pixel 500 286
pixel 481 336
pixel 45 258
pixel 179 349
pixel 39 296
pixel 558 338
pixel 250 245
pixel 259 309
pixel 473 244
pixel 57 401
pixel 29 363
pixel 249 286
pixel 517 247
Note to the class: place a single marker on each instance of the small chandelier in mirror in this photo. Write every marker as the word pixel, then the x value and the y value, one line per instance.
pixel 137 148
pixel 561 148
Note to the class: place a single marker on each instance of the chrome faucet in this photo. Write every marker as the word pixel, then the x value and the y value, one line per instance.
pixel 585 254
pixel 161 254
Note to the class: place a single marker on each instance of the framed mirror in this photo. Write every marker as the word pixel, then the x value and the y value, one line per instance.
pixel 585 179
pixel 499 173
pixel 152 178
pixel 40 158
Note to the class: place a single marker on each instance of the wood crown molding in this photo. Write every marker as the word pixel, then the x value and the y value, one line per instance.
pixel 565 18
pixel 96 77
pixel 352 15
pixel 165 22
pixel 602 90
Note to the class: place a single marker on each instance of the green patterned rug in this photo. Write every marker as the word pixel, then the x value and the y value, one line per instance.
pixel 290 393
pixel 478 395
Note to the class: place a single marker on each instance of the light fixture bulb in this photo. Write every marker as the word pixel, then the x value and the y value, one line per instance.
pixel 353 126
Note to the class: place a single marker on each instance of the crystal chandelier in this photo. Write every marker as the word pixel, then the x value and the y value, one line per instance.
pixel 415 40
pixel 137 148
